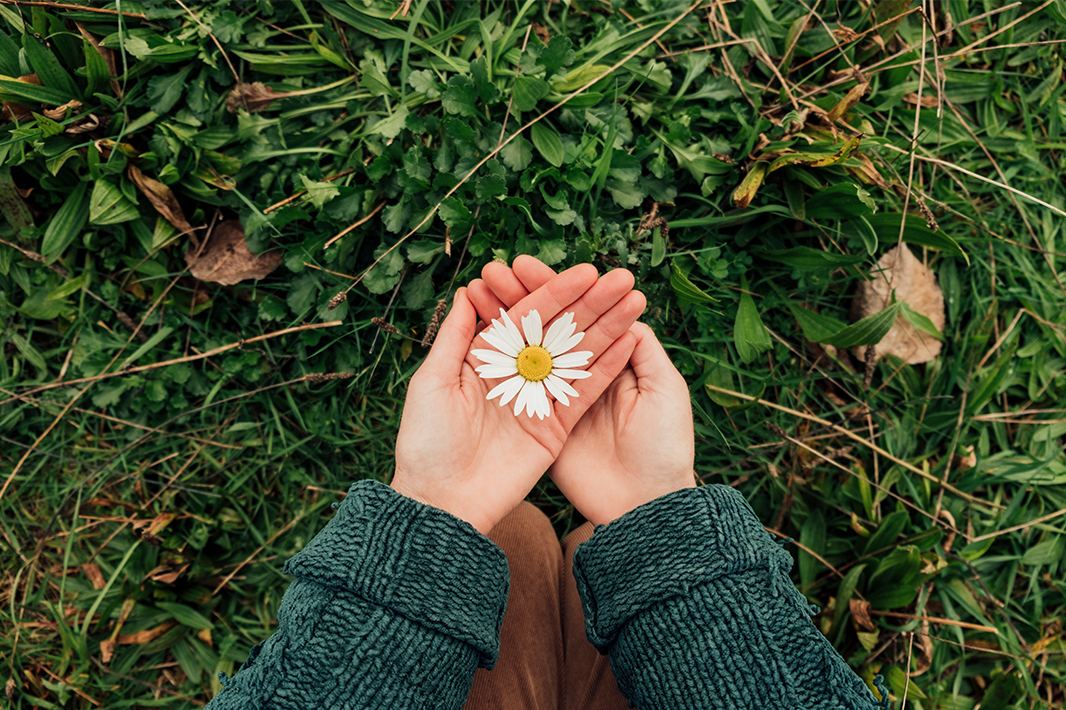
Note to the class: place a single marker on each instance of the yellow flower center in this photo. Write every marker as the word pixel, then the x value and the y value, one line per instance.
pixel 534 363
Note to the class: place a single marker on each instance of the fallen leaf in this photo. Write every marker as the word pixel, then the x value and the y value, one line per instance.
pixel 867 172
pixel 860 614
pixel 927 100
pixel 161 197
pixel 166 574
pixel 849 101
pixel 226 259
pixel 205 636
pixel 85 124
pixel 146 635
pixel 846 34
pixel 92 571
pixel 915 284
pixel 60 112
pixel 541 31
pixel 254 97
pixel 107 650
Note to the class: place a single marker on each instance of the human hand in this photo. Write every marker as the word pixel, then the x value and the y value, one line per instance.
pixel 635 443
pixel 469 456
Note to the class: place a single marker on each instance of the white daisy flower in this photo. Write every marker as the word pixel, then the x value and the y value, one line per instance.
pixel 535 365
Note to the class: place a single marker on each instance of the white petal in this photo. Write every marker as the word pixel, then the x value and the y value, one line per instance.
pixel 508 388
pixel 512 331
pixel 543 402
pixel 569 344
pixel 532 400
pixel 562 385
pixel 491 372
pixel 578 358
pixel 557 392
pixel 572 374
pixel 523 395
pixel 500 342
pixel 533 328
pixel 493 357
pixel 558 333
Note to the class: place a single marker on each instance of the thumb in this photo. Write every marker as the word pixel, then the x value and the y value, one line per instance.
pixel 449 350
pixel 650 363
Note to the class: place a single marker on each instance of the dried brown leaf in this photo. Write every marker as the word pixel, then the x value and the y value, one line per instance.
pixel 146 635
pixel 914 283
pixel 60 112
pixel 849 100
pixel 928 100
pixel 924 651
pixel 161 197
pixel 226 258
pixel 254 97
pixel 92 571
pixel 860 614
pixel 107 650
pixel 166 574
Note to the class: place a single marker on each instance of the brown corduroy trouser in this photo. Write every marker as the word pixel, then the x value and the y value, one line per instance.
pixel 546 661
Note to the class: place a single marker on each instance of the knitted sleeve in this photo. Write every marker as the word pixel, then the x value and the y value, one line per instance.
pixel 692 600
pixel 395 605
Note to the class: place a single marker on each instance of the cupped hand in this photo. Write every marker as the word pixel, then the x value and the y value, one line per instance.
pixel 474 458
pixel 636 442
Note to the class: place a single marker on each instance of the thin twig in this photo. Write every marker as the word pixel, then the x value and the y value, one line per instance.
pixel 63 6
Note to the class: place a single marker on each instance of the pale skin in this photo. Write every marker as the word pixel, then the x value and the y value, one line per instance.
pixel 626 440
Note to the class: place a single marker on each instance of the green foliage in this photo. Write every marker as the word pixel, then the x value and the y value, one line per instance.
pixel 160 504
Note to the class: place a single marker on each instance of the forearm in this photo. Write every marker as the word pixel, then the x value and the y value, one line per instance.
pixel 395 604
pixel 692 600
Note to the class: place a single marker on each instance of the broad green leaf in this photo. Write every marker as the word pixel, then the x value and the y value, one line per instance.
pixel 460 97
pixel 1046 552
pixel 1003 693
pixel 794 195
pixel 861 226
pixel 528 90
pixel 390 127
pixel 844 594
pixel 425 82
pixel 47 67
pixel 558 53
pixel 319 192
pixel 816 327
pixel 687 292
pixel 164 91
pixel 72 286
pixel 749 333
pixel 921 322
pixel 455 214
pixel 808 259
pixel 12 207
pixel 185 615
pixel 32 355
pixel 517 154
pixel 548 143
pixel 868 331
pixel 843 200
pixel 108 205
pixel 627 195
pixel 916 232
pixel 9 56
pixel 552 251
pixel 12 89
pixel 891 526
pixel 578 78
pixel 658 248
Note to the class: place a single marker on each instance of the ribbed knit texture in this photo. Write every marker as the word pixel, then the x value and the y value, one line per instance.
pixel 692 600
pixel 395 604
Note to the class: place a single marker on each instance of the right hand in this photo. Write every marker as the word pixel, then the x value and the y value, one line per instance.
pixel 636 442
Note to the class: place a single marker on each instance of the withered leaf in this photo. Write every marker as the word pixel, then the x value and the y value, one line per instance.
pixel 92 571
pixel 254 97
pixel 860 614
pixel 226 259
pixel 60 112
pixel 161 197
pixel 914 283
pixel 146 635
pixel 848 101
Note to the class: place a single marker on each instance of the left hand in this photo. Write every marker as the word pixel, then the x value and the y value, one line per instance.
pixel 475 459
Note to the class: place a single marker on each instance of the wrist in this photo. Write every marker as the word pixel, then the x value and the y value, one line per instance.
pixel 477 522
pixel 609 514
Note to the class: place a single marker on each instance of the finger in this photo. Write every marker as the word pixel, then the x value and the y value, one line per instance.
pixel 611 325
pixel 650 363
pixel 559 294
pixel 485 301
pixel 531 272
pixel 505 285
pixel 449 349
pixel 603 373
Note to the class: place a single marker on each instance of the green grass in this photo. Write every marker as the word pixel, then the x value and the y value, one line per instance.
pixel 157 507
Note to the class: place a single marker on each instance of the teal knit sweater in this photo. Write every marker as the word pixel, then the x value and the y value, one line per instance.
pixel 396 604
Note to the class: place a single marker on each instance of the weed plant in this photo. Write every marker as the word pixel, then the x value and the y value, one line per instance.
pixel 168 441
